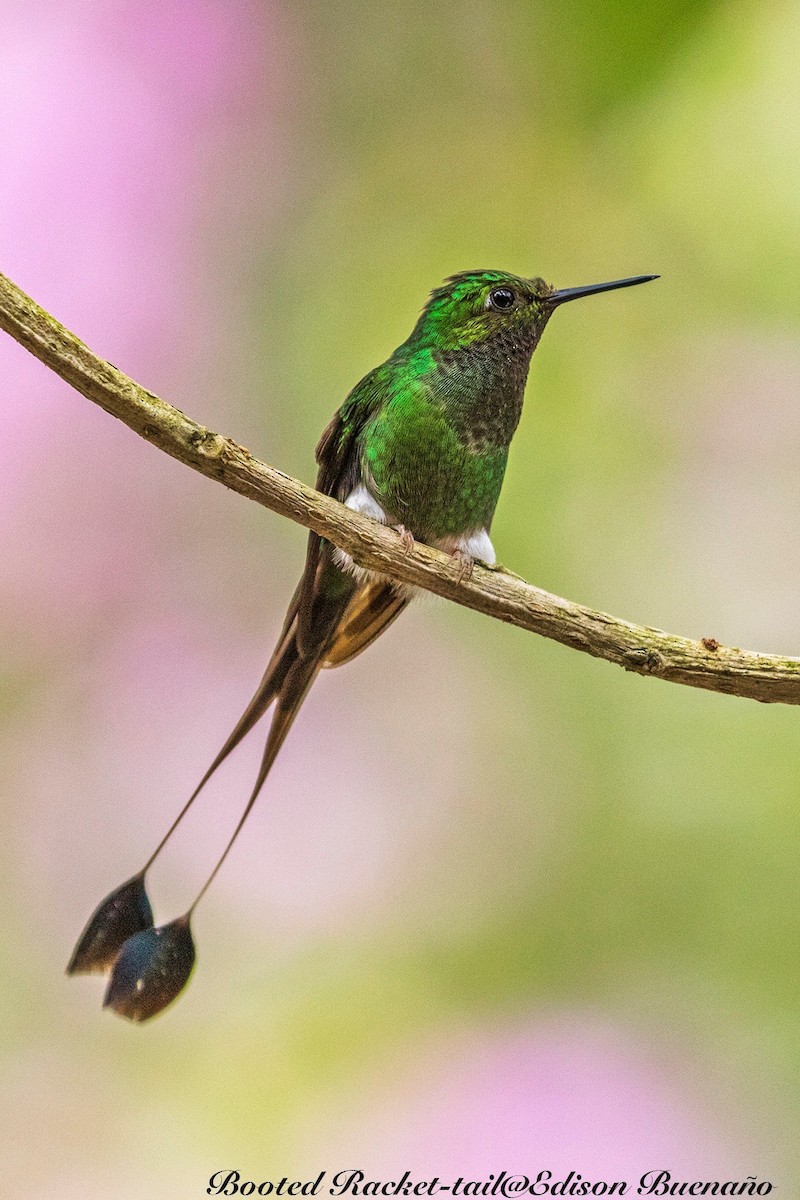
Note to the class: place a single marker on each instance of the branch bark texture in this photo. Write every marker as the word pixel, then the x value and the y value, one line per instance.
pixel 704 663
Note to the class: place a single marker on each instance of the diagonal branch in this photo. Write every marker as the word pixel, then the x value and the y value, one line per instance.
pixel 704 664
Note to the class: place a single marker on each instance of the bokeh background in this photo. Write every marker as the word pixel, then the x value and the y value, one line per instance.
pixel 501 906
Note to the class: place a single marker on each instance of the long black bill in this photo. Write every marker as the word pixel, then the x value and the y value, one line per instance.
pixel 575 293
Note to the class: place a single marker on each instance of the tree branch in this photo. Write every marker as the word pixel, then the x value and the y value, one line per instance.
pixel 704 664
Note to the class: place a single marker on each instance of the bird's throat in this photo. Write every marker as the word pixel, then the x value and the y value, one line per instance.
pixel 482 387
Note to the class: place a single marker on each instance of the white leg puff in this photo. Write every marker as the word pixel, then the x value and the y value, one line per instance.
pixel 477 545
pixel 361 501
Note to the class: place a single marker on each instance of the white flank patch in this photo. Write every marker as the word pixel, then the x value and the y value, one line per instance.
pixel 361 501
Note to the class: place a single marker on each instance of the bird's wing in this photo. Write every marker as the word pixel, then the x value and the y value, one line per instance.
pixel 332 616
pixel 375 603
pixel 338 456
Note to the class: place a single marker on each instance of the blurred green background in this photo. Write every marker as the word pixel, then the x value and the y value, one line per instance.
pixel 501 906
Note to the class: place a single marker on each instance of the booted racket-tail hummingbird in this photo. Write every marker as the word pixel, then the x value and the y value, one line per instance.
pixel 421 444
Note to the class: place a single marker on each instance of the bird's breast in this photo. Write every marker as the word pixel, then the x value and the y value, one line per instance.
pixel 425 475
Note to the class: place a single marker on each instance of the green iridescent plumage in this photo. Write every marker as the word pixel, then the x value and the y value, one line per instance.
pixel 433 424
pixel 420 443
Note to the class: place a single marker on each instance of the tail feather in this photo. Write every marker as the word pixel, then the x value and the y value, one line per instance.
pixel 287 678
pixel 271 682
pixel 371 610
pixel 280 678
pixel 287 682
pixel 299 679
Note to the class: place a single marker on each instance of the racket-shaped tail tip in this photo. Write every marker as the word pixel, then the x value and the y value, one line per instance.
pixel 122 914
pixel 152 969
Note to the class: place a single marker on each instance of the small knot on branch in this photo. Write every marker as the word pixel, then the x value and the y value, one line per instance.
pixel 646 662
pixel 211 445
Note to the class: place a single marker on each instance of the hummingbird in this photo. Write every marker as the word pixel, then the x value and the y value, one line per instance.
pixel 421 444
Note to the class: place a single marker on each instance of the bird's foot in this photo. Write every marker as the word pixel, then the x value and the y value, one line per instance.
pixel 406 537
pixel 465 563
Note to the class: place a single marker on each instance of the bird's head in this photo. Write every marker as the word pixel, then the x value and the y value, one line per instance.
pixel 477 306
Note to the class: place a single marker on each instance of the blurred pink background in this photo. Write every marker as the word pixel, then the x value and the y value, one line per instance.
pixel 500 907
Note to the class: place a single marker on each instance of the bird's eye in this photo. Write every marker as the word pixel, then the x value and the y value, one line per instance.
pixel 501 298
